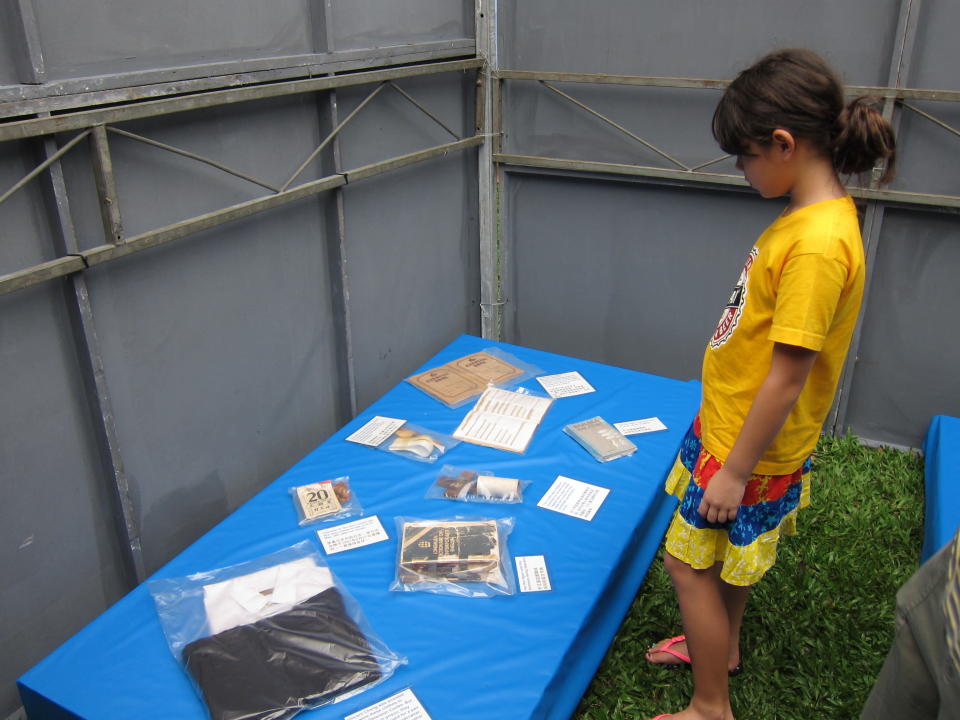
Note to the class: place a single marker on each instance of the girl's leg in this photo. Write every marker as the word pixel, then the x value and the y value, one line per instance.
pixel 707 626
pixel 734 600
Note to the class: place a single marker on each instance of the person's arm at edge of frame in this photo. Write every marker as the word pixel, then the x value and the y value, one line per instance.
pixel 788 373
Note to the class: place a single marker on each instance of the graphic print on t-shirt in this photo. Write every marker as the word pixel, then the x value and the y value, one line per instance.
pixel 731 314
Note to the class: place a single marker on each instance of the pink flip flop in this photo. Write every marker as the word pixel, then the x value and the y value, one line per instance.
pixel 668 648
pixel 660 717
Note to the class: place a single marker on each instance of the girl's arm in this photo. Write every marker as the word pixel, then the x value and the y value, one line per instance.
pixel 774 401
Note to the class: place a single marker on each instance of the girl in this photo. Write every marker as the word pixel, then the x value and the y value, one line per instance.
pixel 771 368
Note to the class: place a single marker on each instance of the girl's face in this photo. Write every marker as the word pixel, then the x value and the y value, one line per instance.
pixel 764 168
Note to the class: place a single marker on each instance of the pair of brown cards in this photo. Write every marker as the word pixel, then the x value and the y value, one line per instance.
pixel 465 377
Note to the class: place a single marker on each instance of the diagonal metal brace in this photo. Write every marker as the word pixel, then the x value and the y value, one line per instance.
pixel 45 164
pixel 192 156
pixel 619 127
pixel 332 135
pixel 423 109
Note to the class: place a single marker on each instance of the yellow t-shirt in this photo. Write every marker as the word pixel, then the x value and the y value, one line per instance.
pixel 801 285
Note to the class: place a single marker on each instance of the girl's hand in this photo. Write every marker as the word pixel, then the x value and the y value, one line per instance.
pixel 721 499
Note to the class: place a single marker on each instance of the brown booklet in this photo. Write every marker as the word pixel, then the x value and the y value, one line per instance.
pixel 465 377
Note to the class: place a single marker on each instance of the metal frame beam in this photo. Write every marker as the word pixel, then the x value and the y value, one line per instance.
pixel 53 96
pixel 884 92
pixel 104 253
pixel 22 129
pixel 118 246
pixel 720 181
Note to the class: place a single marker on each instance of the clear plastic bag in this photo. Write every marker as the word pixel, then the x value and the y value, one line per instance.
pixel 504 419
pixel 460 555
pixel 325 500
pixel 418 443
pixel 600 439
pixel 270 637
pixel 475 486
pixel 459 381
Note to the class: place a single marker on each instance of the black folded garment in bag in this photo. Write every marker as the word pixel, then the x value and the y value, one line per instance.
pixel 274 668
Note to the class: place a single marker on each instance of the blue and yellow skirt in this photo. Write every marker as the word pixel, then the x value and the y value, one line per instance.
pixel 747 545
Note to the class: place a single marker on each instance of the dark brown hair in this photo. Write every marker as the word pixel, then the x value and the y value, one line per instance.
pixel 796 90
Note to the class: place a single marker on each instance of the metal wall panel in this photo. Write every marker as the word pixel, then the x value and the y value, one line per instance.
pixel 624 273
pixel 25 228
pixel 566 298
pixel 8 46
pixel 226 354
pixel 375 23
pixel 57 548
pixel 907 362
pixel 928 152
pixel 412 252
pixel 219 352
pixel 906 365
pixel 99 37
pixel 692 38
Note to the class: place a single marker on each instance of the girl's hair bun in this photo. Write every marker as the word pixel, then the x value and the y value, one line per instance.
pixel 864 136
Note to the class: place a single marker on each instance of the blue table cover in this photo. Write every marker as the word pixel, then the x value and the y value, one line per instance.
pixel 530 655
pixel 941 450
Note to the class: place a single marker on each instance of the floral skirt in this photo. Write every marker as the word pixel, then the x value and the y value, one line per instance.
pixel 747 545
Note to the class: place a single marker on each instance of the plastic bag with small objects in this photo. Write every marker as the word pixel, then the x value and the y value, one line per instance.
pixel 465 485
pixel 418 443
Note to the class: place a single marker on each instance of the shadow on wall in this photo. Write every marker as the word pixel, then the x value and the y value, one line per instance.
pixel 181 517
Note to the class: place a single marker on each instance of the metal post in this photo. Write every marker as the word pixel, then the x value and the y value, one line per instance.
pixel 873 219
pixel 491 298
pixel 336 239
pixel 87 344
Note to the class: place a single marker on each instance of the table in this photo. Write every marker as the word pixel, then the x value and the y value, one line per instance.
pixel 530 655
pixel 941 449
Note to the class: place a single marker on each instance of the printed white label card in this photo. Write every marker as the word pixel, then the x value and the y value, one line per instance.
pixel 565 384
pixel 532 573
pixel 635 427
pixel 573 497
pixel 402 706
pixel 348 536
pixel 376 431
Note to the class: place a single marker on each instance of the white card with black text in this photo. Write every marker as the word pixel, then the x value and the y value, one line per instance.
pixel 532 573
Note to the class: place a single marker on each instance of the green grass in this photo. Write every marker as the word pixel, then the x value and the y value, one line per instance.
pixel 819 624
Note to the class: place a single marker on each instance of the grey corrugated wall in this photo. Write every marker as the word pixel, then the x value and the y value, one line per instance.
pixel 223 353
pixel 635 273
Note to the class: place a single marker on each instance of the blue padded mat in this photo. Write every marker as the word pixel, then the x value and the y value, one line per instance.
pixel 941 450
pixel 529 655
